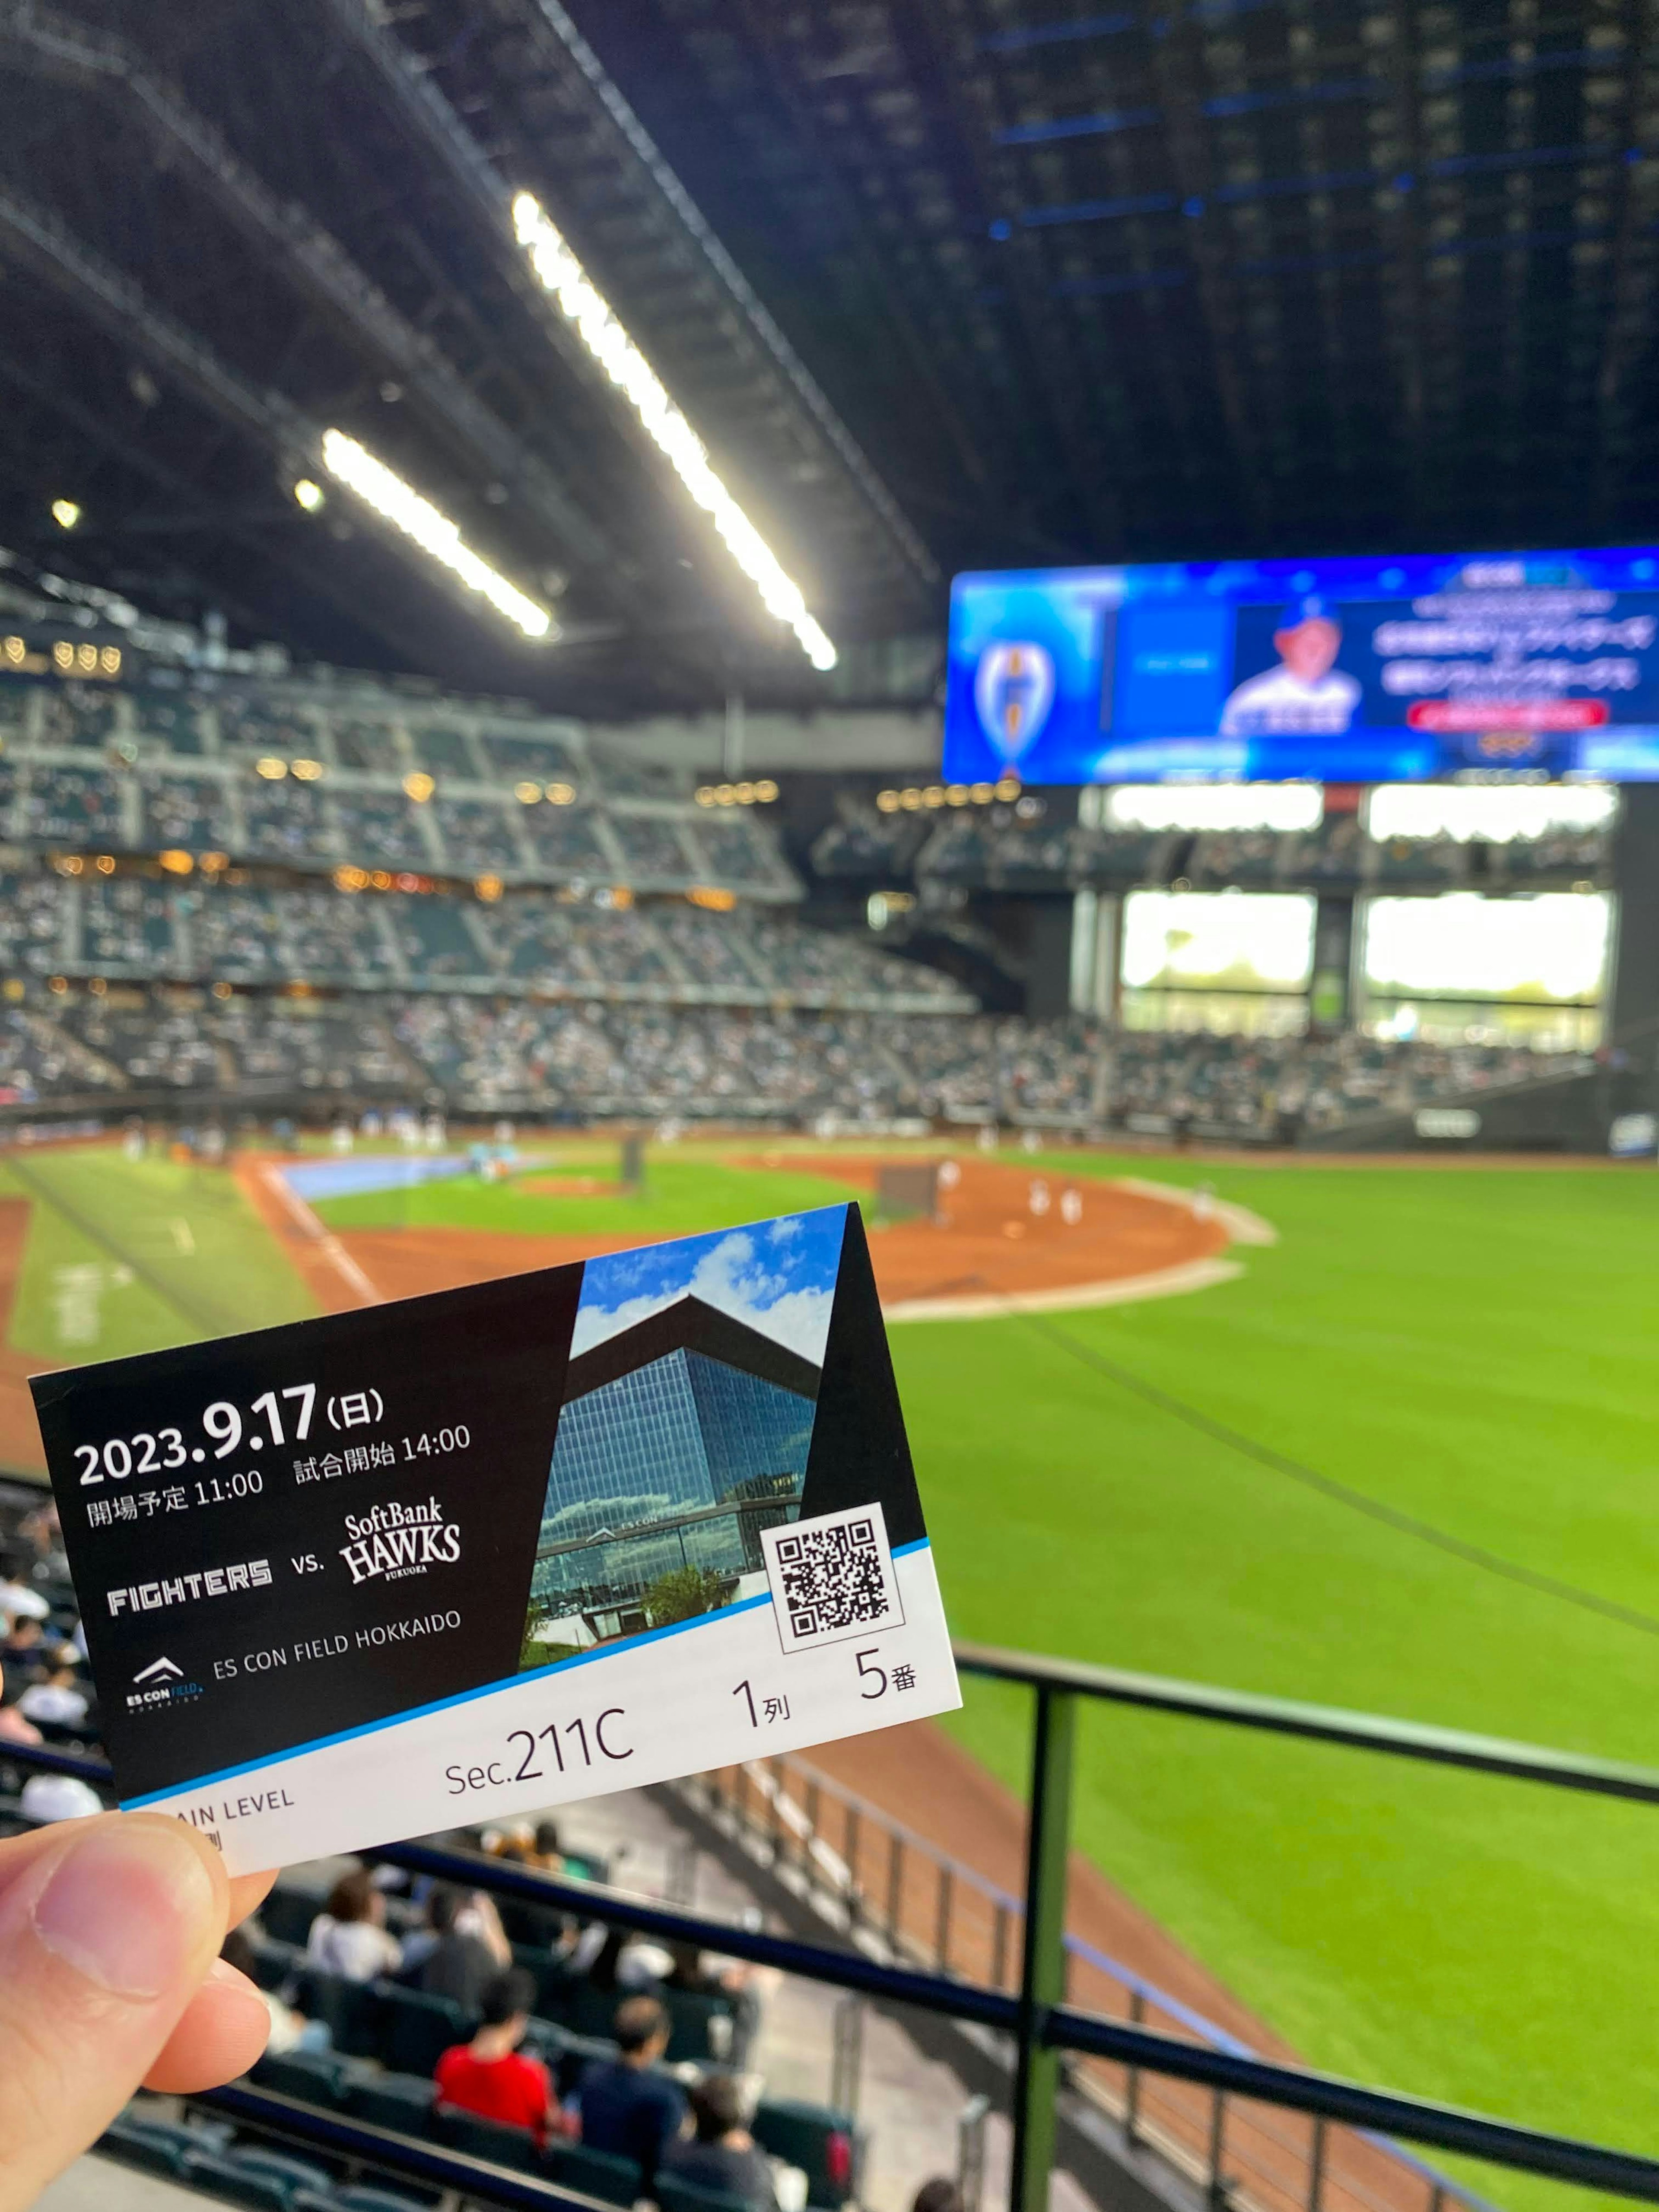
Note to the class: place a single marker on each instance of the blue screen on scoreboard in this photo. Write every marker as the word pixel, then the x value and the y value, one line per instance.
pixel 1373 671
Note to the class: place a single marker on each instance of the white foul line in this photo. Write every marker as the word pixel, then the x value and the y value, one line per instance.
pixel 314 1233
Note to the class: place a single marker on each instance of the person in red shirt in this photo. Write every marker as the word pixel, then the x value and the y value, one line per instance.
pixel 490 2076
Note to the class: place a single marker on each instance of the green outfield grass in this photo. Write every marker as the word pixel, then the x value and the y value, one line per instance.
pixel 125 1257
pixel 1472 1347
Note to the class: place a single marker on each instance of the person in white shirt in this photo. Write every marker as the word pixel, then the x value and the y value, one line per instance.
pixel 349 1936
pixel 49 1797
pixel 56 1700
pixel 1307 694
pixel 289 2030
pixel 22 1602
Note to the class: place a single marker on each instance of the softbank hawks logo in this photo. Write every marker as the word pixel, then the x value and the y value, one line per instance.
pixel 395 1540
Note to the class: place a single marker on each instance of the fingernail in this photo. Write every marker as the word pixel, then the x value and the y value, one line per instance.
pixel 234 1984
pixel 124 1907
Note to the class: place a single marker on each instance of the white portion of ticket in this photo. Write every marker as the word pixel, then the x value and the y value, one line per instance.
pixel 708 1692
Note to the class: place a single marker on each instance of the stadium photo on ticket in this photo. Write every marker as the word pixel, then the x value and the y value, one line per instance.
pixel 434 1562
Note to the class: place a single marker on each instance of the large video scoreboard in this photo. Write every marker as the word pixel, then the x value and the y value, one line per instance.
pixel 1391 669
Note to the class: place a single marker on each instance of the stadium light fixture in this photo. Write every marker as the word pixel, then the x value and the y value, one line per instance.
pixel 596 324
pixel 65 513
pixel 402 506
pixel 309 493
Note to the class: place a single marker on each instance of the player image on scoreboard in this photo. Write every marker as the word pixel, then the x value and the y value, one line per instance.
pixel 1304 693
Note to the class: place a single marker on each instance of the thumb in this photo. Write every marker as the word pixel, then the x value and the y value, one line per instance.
pixel 107 1928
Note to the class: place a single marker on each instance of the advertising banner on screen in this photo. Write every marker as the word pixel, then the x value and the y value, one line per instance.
pixel 1362 670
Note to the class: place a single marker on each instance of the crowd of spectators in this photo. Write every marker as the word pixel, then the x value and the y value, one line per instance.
pixel 282 773
pixel 46 1691
pixel 594 1058
pixel 691 1062
pixel 864 841
pixel 142 928
pixel 251 1047
pixel 42 1059
pixel 493 1966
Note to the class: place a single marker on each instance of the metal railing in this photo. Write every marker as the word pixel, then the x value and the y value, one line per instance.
pixel 1045 2027
pixel 892 1890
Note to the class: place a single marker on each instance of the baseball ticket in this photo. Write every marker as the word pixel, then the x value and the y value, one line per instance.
pixel 459 1557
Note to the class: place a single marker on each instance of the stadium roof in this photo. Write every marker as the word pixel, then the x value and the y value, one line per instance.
pixel 937 282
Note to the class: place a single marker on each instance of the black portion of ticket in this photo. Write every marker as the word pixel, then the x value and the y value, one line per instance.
pixel 310 1534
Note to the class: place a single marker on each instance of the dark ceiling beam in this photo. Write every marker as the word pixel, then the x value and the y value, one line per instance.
pixel 121 308
pixel 76 54
pixel 438 130
pixel 95 428
pixel 766 35
pixel 553 28
pixel 35 235
pixel 1404 230
pixel 1050 358
pixel 1627 315
pixel 1175 69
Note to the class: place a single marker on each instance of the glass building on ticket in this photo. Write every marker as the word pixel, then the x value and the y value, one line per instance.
pixel 680 1439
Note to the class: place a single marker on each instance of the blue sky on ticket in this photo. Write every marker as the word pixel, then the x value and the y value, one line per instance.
pixel 778 1276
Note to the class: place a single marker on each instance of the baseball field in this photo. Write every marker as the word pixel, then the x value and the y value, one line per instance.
pixel 1401 1459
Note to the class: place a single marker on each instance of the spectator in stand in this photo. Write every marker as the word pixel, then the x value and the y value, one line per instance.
pixel 548 1855
pixel 490 2076
pixel 14 1726
pixel 289 2030
pixel 22 1603
pixel 735 1980
pixel 720 2152
pixel 625 2107
pixel 452 1955
pixel 939 2195
pixel 49 1797
pixel 56 1700
pixel 349 1936
pixel 25 1647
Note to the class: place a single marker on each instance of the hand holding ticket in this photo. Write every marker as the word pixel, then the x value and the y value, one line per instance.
pixel 447 1559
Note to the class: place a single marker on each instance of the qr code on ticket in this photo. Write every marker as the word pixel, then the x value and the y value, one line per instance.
pixel 832 1578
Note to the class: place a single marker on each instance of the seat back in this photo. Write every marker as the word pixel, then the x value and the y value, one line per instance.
pixel 234 2183
pixel 497 2141
pixel 690 2013
pixel 822 2142
pixel 146 2148
pixel 418 2029
pixel 351 2009
pixel 273 1962
pixel 591 2011
pixel 402 2101
pixel 360 2198
pixel 595 2173
pixel 674 2195
pixel 288 2172
pixel 313 2076
pixel 287 1914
